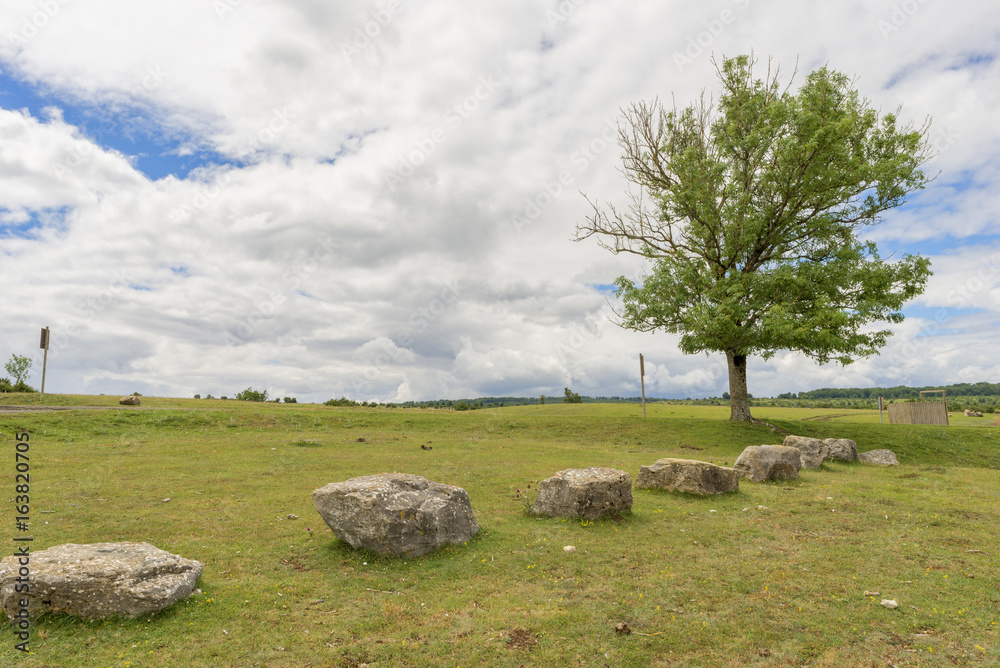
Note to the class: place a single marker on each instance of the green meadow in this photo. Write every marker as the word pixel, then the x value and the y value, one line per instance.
pixel 773 575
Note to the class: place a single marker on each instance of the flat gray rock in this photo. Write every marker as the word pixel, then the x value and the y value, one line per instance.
pixel 812 450
pixel 689 476
pixel 100 580
pixel 590 493
pixel 841 449
pixel 396 514
pixel 881 457
pixel 768 462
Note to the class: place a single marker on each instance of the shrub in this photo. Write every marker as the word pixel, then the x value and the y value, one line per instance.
pixel 18 367
pixel 251 394
pixel 343 401
pixel 290 400
pixel 197 396
pixel 6 385
pixel 462 406
pixel 572 397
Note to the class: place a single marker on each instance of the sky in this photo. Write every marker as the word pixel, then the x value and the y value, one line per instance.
pixel 377 199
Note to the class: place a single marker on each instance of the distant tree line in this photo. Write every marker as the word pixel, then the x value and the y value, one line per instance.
pixel 897 393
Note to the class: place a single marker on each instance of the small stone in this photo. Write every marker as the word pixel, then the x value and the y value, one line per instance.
pixel 290 516
pixel 166 500
pixel 881 457
pixel 889 604
pixel 623 629
pixel 569 548
pixel 872 593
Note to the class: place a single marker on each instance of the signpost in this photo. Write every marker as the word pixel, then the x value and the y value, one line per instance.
pixel 642 381
pixel 44 345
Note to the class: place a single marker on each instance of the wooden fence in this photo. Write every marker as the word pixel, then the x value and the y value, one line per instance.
pixel 924 412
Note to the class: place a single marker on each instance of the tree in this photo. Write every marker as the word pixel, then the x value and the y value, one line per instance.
pixel 251 394
pixel 571 397
pixel 750 215
pixel 18 367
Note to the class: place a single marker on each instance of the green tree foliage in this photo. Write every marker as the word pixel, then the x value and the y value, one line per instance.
pixel 343 401
pixel 750 214
pixel 18 368
pixel 251 394
pixel 571 397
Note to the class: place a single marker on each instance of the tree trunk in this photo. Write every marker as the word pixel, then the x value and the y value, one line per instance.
pixel 739 402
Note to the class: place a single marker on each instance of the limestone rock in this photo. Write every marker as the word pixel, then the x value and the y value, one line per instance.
pixel 883 457
pixel 813 451
pixel 129 401
pixel 585 494
pixel 100 580
pixel 768 462
pixel 689 476
pixel 971 413
pixel 396 514
pixel 841 449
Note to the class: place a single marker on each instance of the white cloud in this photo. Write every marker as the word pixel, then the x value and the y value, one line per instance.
pixel 358 235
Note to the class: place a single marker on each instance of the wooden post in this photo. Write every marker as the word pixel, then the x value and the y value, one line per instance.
pixel 44 344
pixel 642 381
pixel 881 400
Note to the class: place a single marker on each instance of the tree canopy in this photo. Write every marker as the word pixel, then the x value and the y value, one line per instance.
pixel 750 213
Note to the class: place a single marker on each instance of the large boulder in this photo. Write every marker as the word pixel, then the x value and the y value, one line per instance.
pixel 396 514
pixel 585 494
pixel 768 462
pixel 689 476
pixel 882 457
pixel 99 580
pixel 130 401
pixel 812 450
pixel 841 449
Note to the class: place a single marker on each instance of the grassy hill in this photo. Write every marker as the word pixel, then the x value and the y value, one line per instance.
pixel 775 576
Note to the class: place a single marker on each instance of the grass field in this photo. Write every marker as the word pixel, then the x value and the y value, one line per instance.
pixel 775 576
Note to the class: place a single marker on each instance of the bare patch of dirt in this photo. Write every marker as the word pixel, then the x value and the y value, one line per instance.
pixel 522 639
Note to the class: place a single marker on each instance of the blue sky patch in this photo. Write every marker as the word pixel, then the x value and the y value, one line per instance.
pixel 603 288
pixel 134 129
pixel 26 224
